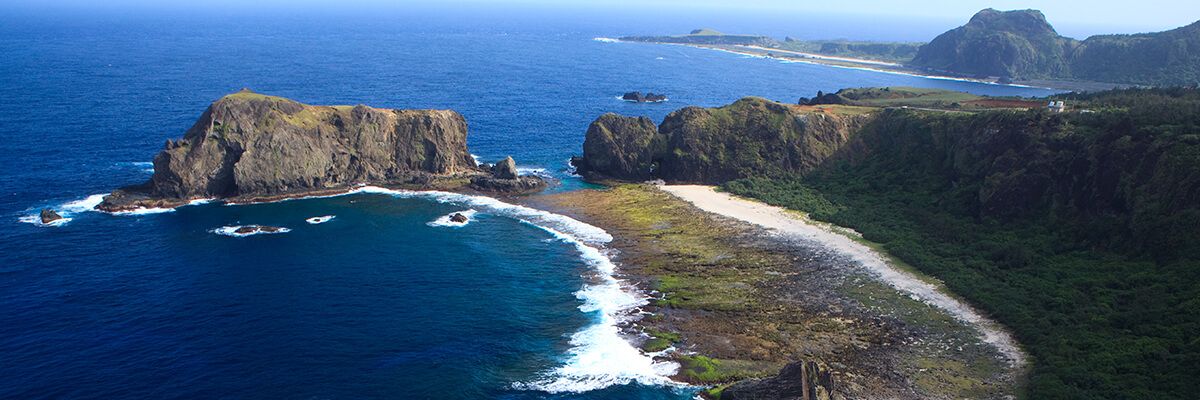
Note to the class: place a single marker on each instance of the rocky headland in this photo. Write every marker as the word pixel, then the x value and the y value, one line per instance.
pixel 751 137
pixel 1020 210
pixel 248 147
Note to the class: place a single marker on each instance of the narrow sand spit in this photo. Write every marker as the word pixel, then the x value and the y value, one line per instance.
pixel 787 224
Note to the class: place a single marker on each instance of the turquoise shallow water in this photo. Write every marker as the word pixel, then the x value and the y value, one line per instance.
pixel 379 302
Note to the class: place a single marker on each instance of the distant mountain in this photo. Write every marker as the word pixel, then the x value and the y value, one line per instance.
pixel 1009 44
pixel 1021 44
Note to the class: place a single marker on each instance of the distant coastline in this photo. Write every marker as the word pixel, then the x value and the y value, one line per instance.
pixel 879 66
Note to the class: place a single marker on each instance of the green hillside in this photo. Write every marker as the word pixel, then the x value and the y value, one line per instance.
pixel 1076 230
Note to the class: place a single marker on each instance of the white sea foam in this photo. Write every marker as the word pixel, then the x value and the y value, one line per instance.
pixel 144 211
pixel 144 166
pixel 65 210
pixel 79 206
pixel 446 222
pixel 476 158
pixel 319 220
pixel 606 40
pixel 599 357
pixel 572 170
pixel 582 231
pixel 531 171
pixel 232 231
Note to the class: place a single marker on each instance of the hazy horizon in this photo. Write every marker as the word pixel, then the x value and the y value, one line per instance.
pixel 875 20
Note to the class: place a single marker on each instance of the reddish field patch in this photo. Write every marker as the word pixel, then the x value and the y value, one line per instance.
pixel 1007 103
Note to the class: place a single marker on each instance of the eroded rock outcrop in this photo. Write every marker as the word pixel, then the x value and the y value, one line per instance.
pixel 248 146
pixel 800 380
pixel 751 137
pixel 505 180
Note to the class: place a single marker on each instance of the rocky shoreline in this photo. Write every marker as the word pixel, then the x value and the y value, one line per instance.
pixel 733 302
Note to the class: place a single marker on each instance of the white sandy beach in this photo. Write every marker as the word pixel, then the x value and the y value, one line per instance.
pixel 791 225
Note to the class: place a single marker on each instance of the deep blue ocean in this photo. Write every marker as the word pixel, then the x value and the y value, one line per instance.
pixel 385 300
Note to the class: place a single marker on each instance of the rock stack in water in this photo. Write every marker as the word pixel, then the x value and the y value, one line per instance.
pixel 49 216
pixel 251 147
pixel 648 98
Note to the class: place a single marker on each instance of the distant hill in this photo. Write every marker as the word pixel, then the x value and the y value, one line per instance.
pixel 1021 44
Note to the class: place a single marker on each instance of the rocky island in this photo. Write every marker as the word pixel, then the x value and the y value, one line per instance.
pixel 249 147
pixel 637 97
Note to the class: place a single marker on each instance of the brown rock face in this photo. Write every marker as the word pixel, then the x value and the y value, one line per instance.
pixel 248 145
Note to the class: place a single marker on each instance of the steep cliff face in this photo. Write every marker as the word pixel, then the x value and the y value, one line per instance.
pixel 621 147
pixel 751 137
pixel 248 145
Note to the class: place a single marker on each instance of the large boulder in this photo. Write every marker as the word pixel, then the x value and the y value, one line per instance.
pixel 505 169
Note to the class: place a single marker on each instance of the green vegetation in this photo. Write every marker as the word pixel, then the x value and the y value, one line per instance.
pixel 1079 231
pixel 659 340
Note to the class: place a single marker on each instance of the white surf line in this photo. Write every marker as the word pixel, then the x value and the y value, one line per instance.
pixel 599 357
pixel 785 223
